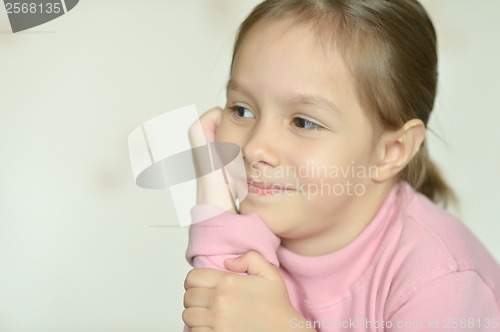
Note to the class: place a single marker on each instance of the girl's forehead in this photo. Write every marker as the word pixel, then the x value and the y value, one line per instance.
pixel 304 36
pixel 295 50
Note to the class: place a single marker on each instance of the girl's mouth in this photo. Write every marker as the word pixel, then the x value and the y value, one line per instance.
pixel 265 189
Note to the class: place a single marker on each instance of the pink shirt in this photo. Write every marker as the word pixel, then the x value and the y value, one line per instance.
pixel 413 268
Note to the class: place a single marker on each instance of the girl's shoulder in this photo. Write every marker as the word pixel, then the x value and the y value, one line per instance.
pixel 427 227
pixel 426 243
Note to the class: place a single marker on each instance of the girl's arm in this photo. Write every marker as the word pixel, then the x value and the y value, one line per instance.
pixel 228 235
pixel 212 241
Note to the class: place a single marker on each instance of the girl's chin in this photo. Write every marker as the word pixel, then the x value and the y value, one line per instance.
pixel 272 220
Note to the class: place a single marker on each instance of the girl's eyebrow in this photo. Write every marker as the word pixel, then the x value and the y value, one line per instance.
pixel 233 85
pixel 317 101
pixel 299 99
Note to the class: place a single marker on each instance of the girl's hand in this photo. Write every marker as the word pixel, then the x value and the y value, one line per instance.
pixel 212 188
pixel 223 301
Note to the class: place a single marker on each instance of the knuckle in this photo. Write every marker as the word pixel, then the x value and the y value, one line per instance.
pixel 228 280
pixel 252 253
pixel 191 316
pixel 187 298
pixel 189 277
pixel 215 109
pixel 220 303
pixel 185 317
pixel 192 131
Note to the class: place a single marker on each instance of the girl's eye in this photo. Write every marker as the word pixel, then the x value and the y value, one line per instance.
pixel 305 124
pixel 241 112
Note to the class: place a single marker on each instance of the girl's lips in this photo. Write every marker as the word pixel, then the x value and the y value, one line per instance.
pixel 265 189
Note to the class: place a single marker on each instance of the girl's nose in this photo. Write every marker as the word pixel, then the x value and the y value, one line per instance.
pixel 262 146
pixel 261 149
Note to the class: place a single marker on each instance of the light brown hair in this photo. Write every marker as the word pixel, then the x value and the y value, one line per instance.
pixel 390 47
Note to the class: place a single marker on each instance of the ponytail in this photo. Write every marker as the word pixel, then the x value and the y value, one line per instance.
pixel 425 177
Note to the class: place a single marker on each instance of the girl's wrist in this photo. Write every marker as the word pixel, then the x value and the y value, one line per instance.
pixel 214 193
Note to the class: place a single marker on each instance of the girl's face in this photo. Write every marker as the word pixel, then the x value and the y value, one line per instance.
pixel 308 147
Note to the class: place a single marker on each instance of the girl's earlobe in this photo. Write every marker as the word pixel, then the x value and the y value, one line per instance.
pixel 397 149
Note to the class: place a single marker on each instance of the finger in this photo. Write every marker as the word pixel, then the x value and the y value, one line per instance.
pixel 198 297
pixel 210 121
pixel 196 135
pixel 238 188
pixel 197 317
pixel 253 263
pixel 201 277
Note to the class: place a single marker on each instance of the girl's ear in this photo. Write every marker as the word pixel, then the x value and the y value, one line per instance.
pixel 397 148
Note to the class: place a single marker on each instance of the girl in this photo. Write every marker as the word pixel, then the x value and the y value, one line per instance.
pixel 328 101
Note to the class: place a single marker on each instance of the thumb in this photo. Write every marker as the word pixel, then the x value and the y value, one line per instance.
pixel 253 263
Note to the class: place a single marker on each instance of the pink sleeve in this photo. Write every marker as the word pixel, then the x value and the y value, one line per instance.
pixel 228 235
pixel 459 301
pixel 225 236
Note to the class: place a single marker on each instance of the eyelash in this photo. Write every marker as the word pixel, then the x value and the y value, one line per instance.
pixel 314 126
pixel 236 109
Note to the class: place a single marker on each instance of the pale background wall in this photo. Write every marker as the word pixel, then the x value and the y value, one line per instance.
pixel 82 248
